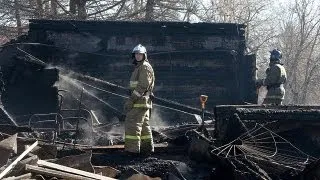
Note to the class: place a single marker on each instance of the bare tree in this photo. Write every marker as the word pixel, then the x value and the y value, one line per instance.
pixel 78 7
pixel 39 9
pixel 54 7
pixel 256 15
pixel 300 43
pixel 18 17
pixel 149 10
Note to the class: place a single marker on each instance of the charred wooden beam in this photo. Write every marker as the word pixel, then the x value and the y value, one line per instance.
pixel 24 176
pixel 72 170
pixel 224 115
pixel 55 173
pixel 304 115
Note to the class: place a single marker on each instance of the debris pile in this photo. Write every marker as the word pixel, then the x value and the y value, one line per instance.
pixel 30 159
pixel 181 152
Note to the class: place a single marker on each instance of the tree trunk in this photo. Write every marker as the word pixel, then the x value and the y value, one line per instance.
pixel 46 7
pixel 18 17
pixel 150 10
pixel 54 8
pixel 72 6
pixel 82 14
pixel 39 9
pixel 136 5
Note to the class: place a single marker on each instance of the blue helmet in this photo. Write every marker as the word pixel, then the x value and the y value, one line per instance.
pixel 275 55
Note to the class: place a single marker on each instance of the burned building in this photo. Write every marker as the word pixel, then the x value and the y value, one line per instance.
pixel 188 59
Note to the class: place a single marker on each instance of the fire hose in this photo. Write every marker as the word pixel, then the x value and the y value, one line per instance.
pixel 122 91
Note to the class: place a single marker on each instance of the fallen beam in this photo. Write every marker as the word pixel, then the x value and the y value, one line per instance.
pixel 24 176
pixel 55 173
pixel 72 170
pixel 304 115
pixel 3 173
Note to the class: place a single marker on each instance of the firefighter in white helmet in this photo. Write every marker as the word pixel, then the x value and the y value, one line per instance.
pixel 138 136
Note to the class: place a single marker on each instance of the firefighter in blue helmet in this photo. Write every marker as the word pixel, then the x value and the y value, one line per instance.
pixel 276 76
pixel 138 136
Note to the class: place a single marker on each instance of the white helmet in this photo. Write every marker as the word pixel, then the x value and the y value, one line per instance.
pixel 139 49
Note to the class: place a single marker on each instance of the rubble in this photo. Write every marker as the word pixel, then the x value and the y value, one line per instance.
pixel 181 152
pixel 177 157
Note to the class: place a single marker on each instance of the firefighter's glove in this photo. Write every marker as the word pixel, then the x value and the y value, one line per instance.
pixel 128 106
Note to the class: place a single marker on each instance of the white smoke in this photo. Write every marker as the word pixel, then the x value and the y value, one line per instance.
pixel 156 120
pixel 262 92
pixel 92 103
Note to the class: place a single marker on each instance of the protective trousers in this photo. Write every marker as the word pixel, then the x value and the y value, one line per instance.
pixel 138 135
pixel 274 96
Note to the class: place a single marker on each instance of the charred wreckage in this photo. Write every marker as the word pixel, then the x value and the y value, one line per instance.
pixel 64 83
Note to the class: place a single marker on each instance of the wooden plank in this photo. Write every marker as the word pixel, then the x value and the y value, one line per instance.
pixel 72 170
pixel 3 173
pixel 55 173
pixel 24 176
pixel 302 115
